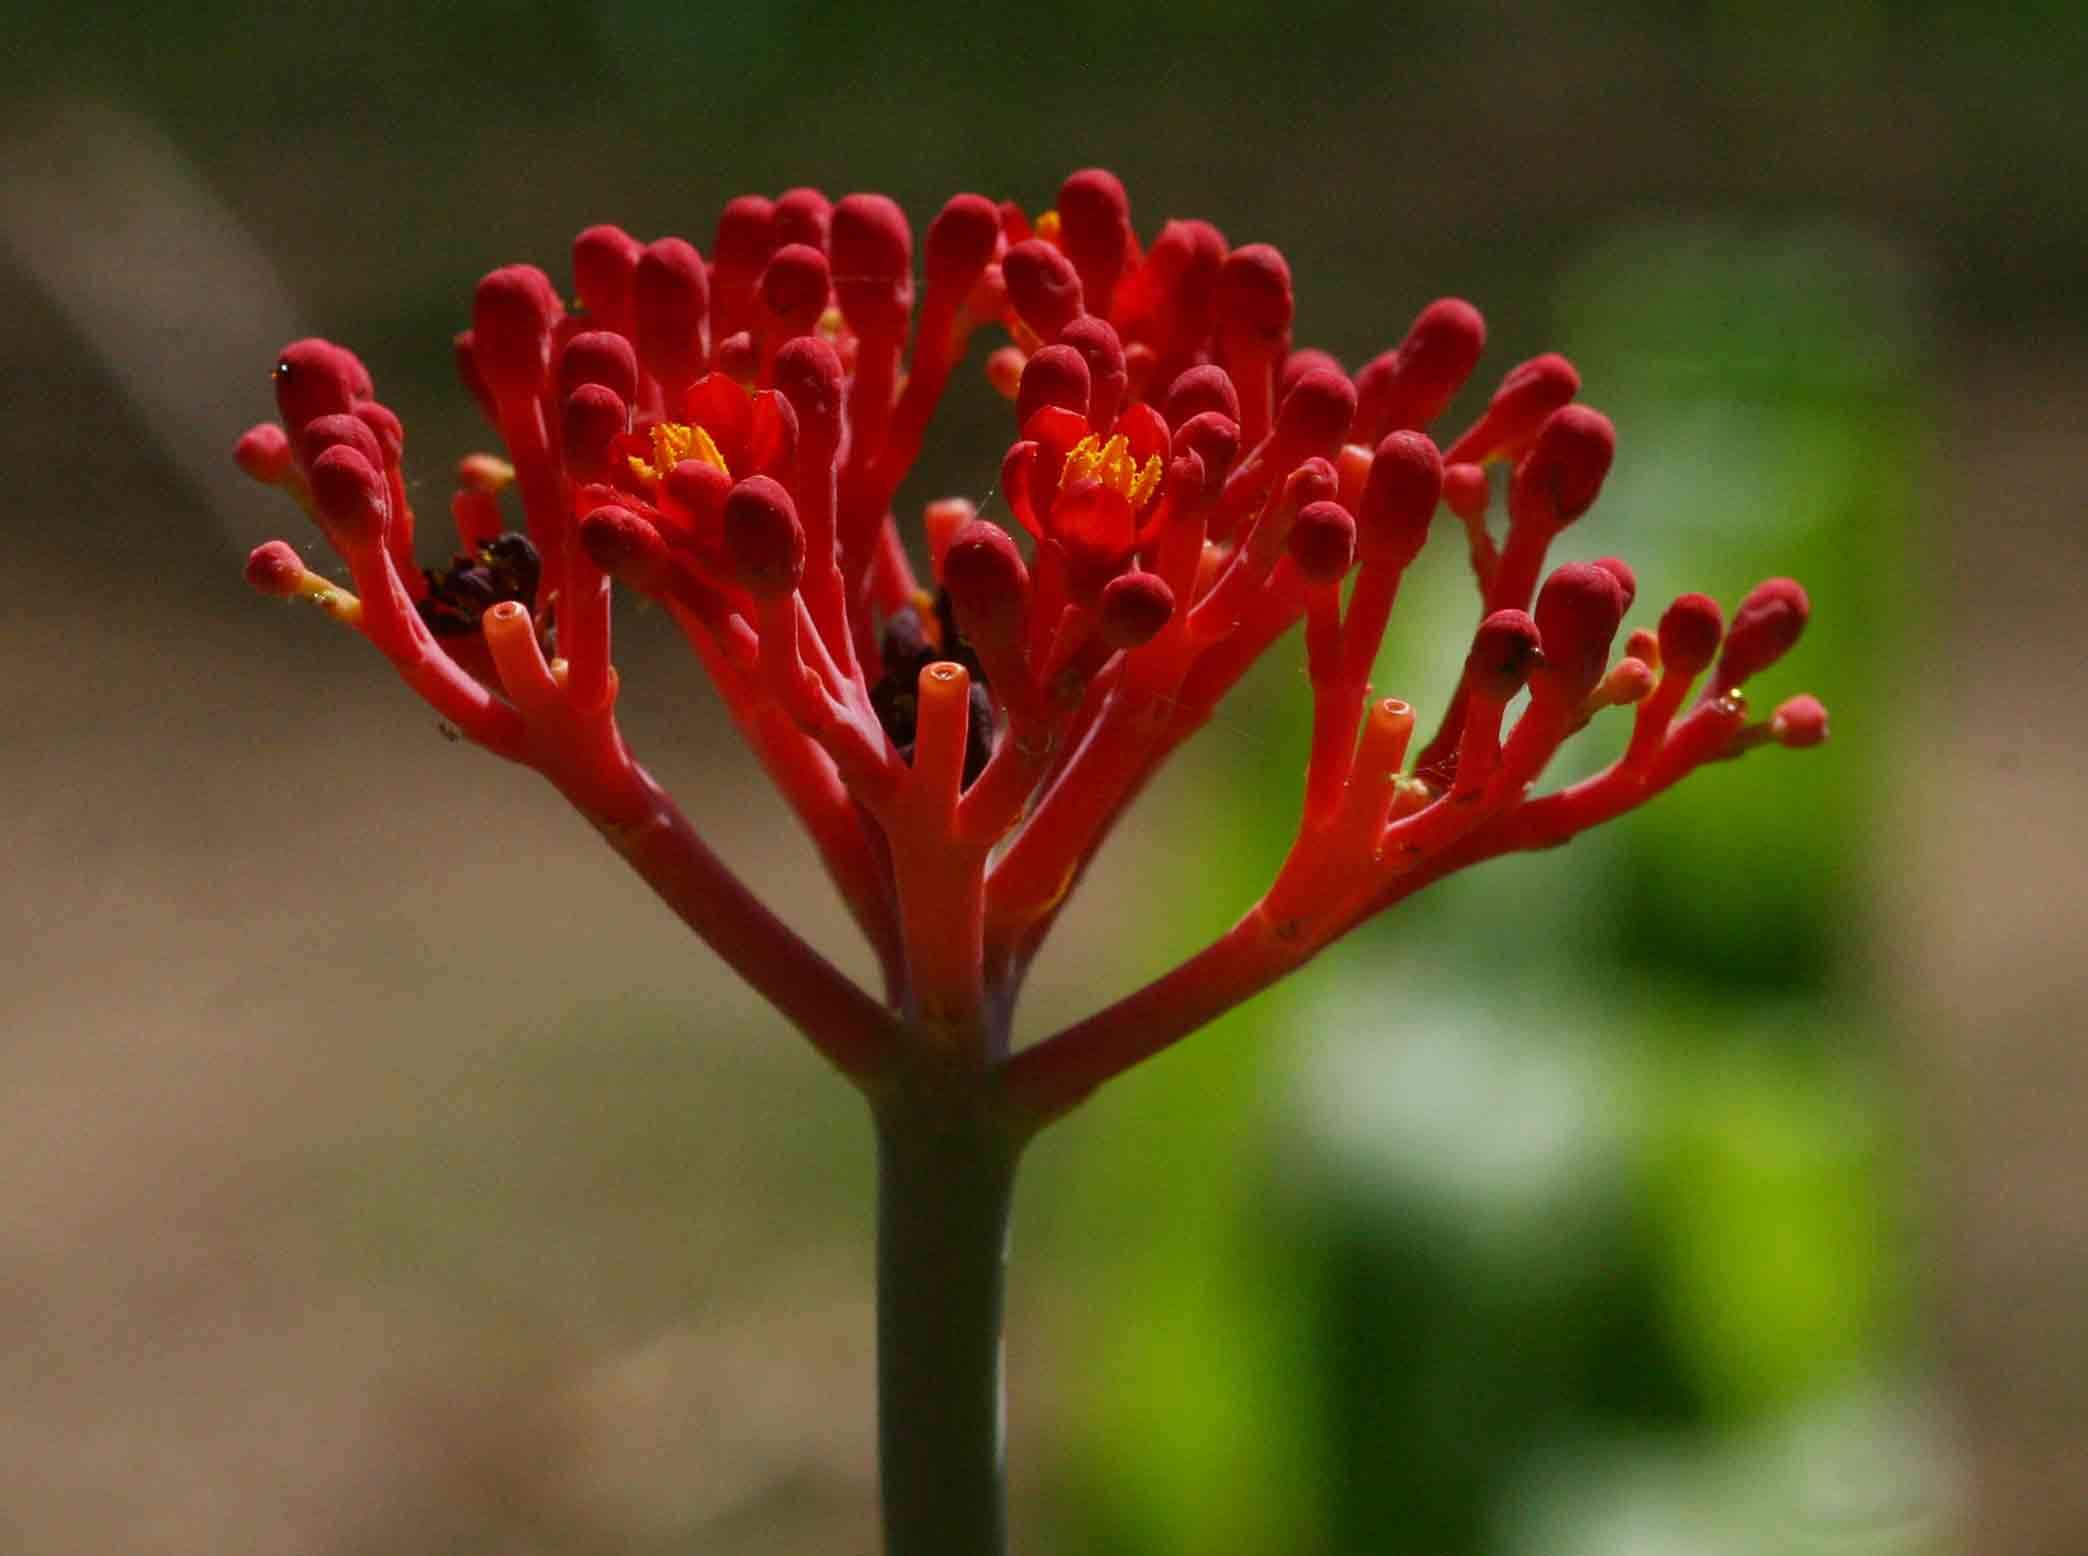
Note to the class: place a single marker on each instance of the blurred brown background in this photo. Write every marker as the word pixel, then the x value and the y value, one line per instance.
pixel 385 1172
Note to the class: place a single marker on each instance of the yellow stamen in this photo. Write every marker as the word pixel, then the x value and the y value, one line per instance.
pixel 1111 464
pixel 1046 226
pixel 673 442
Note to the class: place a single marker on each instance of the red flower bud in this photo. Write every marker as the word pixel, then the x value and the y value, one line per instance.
pixel 1057 375
pixel 1201 389
pixel 872 249
pixel 1214 438
pixel 1096 341
pixel 672 302
pixel 961 242
pixel 263 452
pixel 989 595
pixel 1630 680
pixel 1765 626
pixel 809 376
pixel 595 416
pixel 1315 415
pixel 327 432
pixel 1690 632
pixel 740 252
pixel 317 378
pixel 1188 480
pixel 1531 392
pixel 1411 386
pixel 985 576
pixel 1043 287
pixel 621 543
pixel 1316 480
pixel 384 422
pixel 1135 606
pixel 599 357
pixel 1308 360
pixel 275 569
pixel 512 318
pixel 795 286
pixel 348 490
pixel 1563 472
pixel 1399 499
pixel 1253 298
pixel 764 538
pixel 1168 301
pixel 1538 387
pixel 1095 231
pixel 605 268
pixel 1578 612
pixel 1620 570
pixel 746 238
pixel 1799 723
pixel 803 216
pixel 1504 652
pixel 1464 489
pixel 1322 542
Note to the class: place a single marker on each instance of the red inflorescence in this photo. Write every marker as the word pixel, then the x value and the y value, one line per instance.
pixel 726 435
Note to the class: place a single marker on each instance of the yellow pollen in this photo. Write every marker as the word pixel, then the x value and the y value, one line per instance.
pixel 673 442
pixel 1111 464
pixel 1046 226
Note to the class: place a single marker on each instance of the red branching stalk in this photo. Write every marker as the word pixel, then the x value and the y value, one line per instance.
pixel 726 436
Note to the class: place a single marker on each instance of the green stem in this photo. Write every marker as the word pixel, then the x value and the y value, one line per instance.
pixel 946 1172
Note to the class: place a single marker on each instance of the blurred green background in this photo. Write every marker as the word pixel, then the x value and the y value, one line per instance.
pixel 387 1173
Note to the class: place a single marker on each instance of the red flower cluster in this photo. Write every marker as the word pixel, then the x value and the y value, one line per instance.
pixel 726 436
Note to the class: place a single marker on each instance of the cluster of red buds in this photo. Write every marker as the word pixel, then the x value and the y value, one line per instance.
pixel 726 436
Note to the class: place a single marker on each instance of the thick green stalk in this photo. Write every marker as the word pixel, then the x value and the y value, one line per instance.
pixel 945 1175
